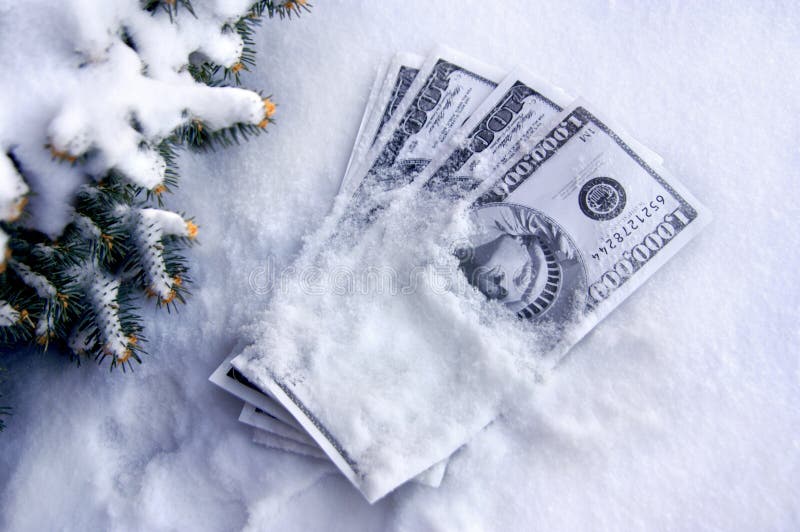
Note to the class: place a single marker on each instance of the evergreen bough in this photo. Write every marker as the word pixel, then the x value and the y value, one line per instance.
pixel 76 290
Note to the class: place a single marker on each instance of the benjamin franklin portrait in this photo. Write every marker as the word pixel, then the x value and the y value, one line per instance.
pixel 524 260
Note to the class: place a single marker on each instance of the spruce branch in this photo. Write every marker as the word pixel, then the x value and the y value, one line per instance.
pixel 75 283
pixel 19 305
pixel 113 331
pixel 154 265
pixel 286 8
pixel 4 410
pixel 170 7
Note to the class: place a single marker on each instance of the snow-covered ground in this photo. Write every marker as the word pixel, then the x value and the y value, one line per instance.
pixel 681 411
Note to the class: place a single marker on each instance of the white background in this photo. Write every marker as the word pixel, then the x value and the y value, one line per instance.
pixel 681 411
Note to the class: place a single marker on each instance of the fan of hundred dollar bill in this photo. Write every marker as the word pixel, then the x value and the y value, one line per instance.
pixel 570 216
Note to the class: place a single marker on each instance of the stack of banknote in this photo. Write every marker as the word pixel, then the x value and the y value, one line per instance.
pixel 572 215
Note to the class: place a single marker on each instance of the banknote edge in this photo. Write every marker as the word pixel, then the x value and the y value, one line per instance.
pixel 255 417
pixel 364 141
pixel 250 394
pixel 327 442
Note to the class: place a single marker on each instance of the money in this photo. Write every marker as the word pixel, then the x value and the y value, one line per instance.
pixel 513 114
pixel 369 111
pixel 572 226
pixel 568 214
pixel 267 415
pixel 383 102
pixel 445 91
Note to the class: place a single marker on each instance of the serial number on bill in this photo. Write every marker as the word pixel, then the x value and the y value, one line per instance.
pixel 629 227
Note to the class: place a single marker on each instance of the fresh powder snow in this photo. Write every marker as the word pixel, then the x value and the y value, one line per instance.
pixel 679 411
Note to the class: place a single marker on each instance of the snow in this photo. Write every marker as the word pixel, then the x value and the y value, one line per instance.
pixel 430 358
pixel 679 411
pixel 38 282
pixel 8 315
pixel 12 188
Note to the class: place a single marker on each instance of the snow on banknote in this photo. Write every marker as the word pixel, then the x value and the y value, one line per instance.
pixel 399 75
pixel 232 381
pixel 273 441
pixel 445 91
pixel 268 415
pixel 259 419
pixel 566 229
pixel 515 113
pixel 369 110
pixel 255 417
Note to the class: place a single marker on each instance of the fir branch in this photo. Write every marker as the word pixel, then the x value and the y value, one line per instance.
pixel 19 303
pixel 168 6
pixel 4 409
pixel 112 329
pixel 287 8
pixel 53 310
pixel 157 266
pixel 198 137
pixel 167 151
pixel 207 72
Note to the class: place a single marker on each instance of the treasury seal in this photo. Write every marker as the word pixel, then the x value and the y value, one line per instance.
pixel 602 198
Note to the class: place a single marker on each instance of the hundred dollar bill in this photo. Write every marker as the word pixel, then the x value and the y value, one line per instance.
pixel 512 118
pixel 571 227
pixel 445 91
pixel 568 228
pixel 514 114
pixel 384 101
pixel 402 73
pixel 265 413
